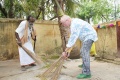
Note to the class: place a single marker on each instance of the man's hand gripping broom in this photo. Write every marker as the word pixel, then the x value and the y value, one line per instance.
pixel 52 73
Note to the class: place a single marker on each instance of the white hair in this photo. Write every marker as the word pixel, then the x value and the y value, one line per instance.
pixel 64 18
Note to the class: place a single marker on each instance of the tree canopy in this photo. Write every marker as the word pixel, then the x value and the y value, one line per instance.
pixel 95 10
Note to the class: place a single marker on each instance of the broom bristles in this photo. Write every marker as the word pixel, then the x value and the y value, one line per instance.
pixel 56 66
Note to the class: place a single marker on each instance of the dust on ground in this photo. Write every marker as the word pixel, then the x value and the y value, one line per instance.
pixel 10 70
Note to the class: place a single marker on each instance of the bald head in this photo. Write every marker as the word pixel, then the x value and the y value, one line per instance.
pixel 65 20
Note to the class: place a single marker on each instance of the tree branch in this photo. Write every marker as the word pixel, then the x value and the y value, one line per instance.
pixel 3 11
pixel 104 17
pixel 54 17
pixel 38 13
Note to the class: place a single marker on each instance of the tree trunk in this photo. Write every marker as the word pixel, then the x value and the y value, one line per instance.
pixel 39 11
pixel 3 11
pixel 43 10
pixel 11 10
pixel 65 32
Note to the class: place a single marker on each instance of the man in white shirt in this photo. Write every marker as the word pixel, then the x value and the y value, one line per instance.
pixel 85 32
pixel 23 34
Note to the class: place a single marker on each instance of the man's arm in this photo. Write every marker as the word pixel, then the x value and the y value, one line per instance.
pixel 18 39
pixel 73 37
pixel 20 28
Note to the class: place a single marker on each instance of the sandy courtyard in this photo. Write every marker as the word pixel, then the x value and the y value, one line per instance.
pixel 10 70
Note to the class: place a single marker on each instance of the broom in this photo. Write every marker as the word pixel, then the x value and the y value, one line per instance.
pixel 54 69
pixel 31 54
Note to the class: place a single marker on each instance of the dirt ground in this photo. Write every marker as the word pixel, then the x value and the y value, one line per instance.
pixel 10 70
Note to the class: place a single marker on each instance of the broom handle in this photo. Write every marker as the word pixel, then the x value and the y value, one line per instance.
pixel 31 54
pixel 34 43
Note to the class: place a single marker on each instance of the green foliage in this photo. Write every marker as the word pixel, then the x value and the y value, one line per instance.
pixel 6 4
pixel 10 8
pixel 19 11
pixel 95 9
pixel 70 7
pixel 49 9
pixel 30 6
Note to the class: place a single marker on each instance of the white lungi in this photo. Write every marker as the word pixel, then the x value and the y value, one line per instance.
pixel 25 59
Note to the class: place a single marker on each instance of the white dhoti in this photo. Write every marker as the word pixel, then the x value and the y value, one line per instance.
pixel 25 59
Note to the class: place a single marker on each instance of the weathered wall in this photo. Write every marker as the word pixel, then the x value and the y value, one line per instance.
pixel 49 40
pixel 8 47
pixel 106 46
pixel 48 37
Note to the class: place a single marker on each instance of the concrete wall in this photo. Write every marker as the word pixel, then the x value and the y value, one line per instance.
pixel 8 47
pixel 49 39
pixel 106 46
